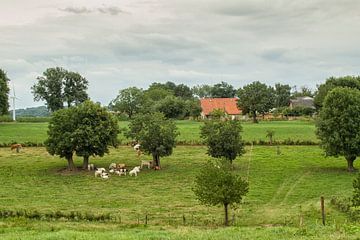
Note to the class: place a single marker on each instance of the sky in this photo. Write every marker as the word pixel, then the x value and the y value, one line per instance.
pixel 116 44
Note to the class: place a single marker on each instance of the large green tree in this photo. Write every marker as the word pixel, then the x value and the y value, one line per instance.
pixel 223 90
pixel 60 139
pixel 202 91
pixel 223 139
pixel 4 93
pixel 95 130
pixel 130 101
pixel 217 184
pixel 338 125
pixel 172 107
pixel 74 88
pixel 155 133
pixel 57 86
pixel 333 82
pixel 282 94
pixel 255 98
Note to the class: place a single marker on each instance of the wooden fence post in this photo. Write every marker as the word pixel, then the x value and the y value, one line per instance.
pixel 322 210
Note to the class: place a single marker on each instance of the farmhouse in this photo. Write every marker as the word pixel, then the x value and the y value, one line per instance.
pixel 228 105
pixel 306 102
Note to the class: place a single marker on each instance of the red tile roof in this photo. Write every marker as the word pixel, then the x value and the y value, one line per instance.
pixel 226 104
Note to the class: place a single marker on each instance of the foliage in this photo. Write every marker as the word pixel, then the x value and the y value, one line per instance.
pixel 41 111
pixel 129 101
pixel 270 134
pixel 60 139
pixel 193 108
pixel 331 83
pixel 338 126
pixel 155 133
pixel 282 94
pixel 223 90
pixel 218 114
pixel 298 111
pixel 4 91
pixel 202 91
pixel 356 193
pixel 304 92
pixel 223 139
pixel 75 87
pixel 255 98
pixel 172 107
pixel 217 184
pixel 57 86
pixel 95 130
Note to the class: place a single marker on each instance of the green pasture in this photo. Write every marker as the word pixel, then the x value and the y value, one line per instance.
pixel 189 131
pixel 283 189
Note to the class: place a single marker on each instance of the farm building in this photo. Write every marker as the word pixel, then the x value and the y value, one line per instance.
pixel 307 102
pixel 228 105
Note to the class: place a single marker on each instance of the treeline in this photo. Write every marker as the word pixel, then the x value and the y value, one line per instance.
pixel 60 88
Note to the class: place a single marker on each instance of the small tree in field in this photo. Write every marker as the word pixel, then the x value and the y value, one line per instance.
pixel 338 126
pixel 60 139
pixel 96 129
pixel 217 184
pixel 223 139
pixel 155 133
pixel 270 134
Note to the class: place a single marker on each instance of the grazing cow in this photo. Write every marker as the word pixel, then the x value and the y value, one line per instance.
pixel 98 173
pixel 91 167
pixel 17 146
pixel 111 171
pixel 100 169
pixel 112 166
pixel 104 175
pixel 135 171
pixel 146 163
pixel 121 172
pixel 120 166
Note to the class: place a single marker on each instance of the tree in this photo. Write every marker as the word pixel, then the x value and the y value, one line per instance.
pixel 193 108
pixel 57 86
pixel 223 90
pixel 331 83
pixel 255 98
pixel 129 101
pixel 183 91
pixel 282 95
pixel 202 91
pixel 304 92
pixel 338 125
pixel 172 107
pixel 75 87
pixel 223 139
pixel 95 130
pixel 270 134
pixel 155 133
pixel 4 93
pixel 49 88
pixel 60 139
pixel 217 184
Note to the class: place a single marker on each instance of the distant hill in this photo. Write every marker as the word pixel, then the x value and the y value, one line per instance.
pixel 32 112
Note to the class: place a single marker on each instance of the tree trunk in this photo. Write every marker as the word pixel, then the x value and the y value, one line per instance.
pixel 226 221
pixel 85 162
pixel 71 165
pixel 350 162
pixel 254 117
pixel 271 140
pixel 156 160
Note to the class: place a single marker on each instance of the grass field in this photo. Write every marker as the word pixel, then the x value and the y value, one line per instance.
pixel 189 131
pixel 283 188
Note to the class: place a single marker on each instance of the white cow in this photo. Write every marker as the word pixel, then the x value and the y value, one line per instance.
pixel 134 171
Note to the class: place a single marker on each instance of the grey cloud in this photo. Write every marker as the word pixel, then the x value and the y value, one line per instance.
pixel 76 10
pixel 110 10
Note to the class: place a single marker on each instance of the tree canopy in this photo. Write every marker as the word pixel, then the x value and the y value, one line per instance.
pixel 96 129
pixel 86 130
pixel 155 133
pixel 217 184
pixel 333 82
pixel 129 101
pixel 58 86
pixel 223 90
pixel 338 125
pixel 223 139
pixel 282 94
pixel 255 98
pixel 4 92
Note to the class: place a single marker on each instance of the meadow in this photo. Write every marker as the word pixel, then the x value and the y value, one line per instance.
pixel 189 131
pixel 285 190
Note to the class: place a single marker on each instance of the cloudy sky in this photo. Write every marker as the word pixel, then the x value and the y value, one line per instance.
pixel 120 43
